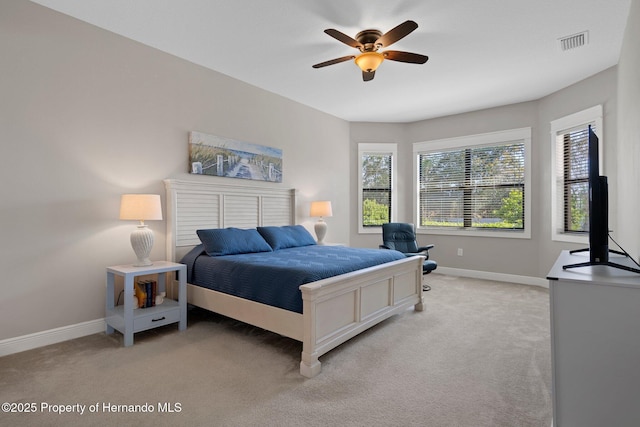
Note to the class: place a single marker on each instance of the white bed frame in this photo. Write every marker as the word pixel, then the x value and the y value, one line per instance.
pixel 334 309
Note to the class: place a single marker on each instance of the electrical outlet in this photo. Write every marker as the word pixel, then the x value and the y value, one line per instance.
pixel 459 251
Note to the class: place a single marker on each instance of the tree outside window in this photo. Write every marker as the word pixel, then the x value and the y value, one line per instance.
pixel 376 185
pixel 474 185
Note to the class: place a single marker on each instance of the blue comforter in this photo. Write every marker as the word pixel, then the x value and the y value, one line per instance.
pixel 273 278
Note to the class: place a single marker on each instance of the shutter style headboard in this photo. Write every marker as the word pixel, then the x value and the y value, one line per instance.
pixel 194 205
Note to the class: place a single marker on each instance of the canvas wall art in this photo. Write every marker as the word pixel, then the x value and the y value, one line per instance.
pixel 218 156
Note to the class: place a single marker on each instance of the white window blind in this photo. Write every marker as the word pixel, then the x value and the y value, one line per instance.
pixel 376 185
pixel 376 189
pixel 574 180
pixel 569 174
pixel 473 187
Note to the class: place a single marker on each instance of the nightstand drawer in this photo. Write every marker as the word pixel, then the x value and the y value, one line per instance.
pixel 143 321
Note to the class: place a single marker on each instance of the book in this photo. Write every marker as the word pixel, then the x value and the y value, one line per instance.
pixel 146 291
pixel 154 292
pixel 147 284
pixel 141 294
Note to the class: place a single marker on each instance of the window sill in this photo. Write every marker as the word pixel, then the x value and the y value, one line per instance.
pixel 507 234
pixel 570 238
pixel 370 230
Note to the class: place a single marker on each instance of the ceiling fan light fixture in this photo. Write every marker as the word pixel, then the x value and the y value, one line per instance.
pixel 369 61
pixel 368 42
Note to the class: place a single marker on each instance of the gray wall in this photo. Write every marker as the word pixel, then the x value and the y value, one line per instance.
pixel 629 133
pixel 523 257
pixel 87 115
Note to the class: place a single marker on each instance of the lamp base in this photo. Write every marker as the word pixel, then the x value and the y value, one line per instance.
pixel 321 230
pixel 142 242
pixel 144 263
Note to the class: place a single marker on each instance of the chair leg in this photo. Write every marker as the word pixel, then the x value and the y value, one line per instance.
pixel 425 287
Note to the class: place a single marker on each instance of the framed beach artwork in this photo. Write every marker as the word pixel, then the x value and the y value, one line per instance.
pixel 218 156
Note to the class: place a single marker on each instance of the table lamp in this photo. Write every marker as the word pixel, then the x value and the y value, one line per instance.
pixel 321 209
pixel 141 207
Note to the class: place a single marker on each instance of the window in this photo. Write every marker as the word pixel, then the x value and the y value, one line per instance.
pixel 376 184
pixel 476 185
pixel 570 183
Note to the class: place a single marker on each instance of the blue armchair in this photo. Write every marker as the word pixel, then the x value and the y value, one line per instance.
pixel 401 237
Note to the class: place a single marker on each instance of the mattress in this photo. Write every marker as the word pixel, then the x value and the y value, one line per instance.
pixel 274 278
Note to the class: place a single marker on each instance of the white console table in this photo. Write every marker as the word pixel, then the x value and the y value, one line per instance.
pixel 595 343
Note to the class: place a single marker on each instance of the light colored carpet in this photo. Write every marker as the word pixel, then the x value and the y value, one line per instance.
pixel 479 355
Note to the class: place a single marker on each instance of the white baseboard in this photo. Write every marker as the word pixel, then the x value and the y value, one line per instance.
pixel 499 277
pixel 52 336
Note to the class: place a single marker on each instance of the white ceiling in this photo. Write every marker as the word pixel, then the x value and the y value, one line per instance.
pixel 481 53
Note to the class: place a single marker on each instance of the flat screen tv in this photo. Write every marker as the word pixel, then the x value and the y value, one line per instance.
pixel 598 214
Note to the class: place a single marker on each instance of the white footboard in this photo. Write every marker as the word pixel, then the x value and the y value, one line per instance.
pixel 338 308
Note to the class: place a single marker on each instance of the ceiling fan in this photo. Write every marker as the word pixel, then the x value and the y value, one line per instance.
pixel 368 42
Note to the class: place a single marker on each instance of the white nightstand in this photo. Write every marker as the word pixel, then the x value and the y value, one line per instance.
pixel 128 320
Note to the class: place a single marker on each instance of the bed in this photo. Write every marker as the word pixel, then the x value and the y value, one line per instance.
pixel 333 309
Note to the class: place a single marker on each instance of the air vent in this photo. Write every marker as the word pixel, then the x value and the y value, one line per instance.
pixel 574 41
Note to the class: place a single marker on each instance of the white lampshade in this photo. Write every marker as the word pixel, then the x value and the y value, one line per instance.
pixel 141 207
pixel 321 209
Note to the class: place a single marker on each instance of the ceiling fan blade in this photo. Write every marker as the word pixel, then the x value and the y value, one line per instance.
pixel 396 33
pixel 368 75
pixel 333 61
pixel 413 58
pixel 349 41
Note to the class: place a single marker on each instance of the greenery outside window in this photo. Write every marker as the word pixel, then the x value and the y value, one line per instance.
pixel 569 182
pixel 376 185
pixel 474 185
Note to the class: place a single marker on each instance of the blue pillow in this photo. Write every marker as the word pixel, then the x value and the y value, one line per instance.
pixel 288 236
pixel 229 241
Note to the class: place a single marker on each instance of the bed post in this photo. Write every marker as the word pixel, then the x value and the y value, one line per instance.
pixel 309 368
pixel 170 201
pixel 420 306
pixel 309 364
